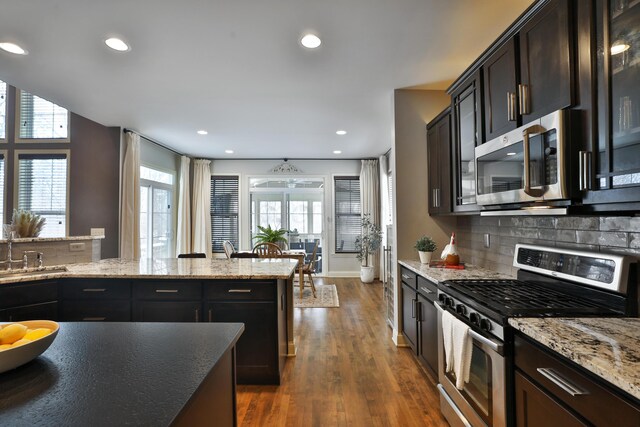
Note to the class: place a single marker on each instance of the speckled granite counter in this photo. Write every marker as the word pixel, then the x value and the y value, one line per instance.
pixel 608 347
pixel 438 275
pixel 52 239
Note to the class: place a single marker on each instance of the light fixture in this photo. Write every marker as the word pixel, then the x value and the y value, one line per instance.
pixel 12 48
pixel 310 41
pixel 511 154
pixel 618 47
pixel 202 132
pixel 228 151
pixel 117 44
pixel 337 152
pixel 341 132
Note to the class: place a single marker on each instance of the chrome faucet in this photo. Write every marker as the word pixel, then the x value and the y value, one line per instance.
pixel 25 259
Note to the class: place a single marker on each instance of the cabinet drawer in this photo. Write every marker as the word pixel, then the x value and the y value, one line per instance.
pixel 427 288
pixel 27 293
pixel 92 310
pixel 96 289
pixel 167 311
pixel 408 277
pixel 596 403
pixel 239 290
pixel 178 290
pixel 46 311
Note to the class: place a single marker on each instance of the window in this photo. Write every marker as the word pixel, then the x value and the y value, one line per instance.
pixel 347 205
pixel 156 213
pixel 2 169
pixel 42 188
pixel 224 211
pixel 3 110
pixel 40 119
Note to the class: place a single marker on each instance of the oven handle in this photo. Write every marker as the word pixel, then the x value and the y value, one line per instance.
pixel 533 192
pixel 453 406
pixel 497 347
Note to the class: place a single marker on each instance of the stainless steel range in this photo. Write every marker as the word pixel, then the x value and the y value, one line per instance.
pixel 551 282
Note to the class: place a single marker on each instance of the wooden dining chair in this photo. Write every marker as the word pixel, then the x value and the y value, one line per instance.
pixel 266 250
pixel 309 269
pixel 228 248
pixel 192 255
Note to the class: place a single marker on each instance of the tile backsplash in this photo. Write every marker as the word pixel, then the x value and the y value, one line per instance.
pixel 604 234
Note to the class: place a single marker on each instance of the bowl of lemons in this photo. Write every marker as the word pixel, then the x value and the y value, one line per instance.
pixel 21 342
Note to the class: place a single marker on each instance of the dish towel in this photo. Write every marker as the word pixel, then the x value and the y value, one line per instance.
pixel 458 347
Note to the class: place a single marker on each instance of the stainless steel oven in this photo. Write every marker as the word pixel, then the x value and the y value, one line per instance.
pixel 528 164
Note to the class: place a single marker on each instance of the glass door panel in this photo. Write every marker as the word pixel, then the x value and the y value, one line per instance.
pixel 162 247
pixel 467 140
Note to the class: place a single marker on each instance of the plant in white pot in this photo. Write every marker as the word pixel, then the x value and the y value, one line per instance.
pixel 367 244
pixel 425 246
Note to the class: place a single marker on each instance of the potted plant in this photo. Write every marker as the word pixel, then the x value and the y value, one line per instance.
pixel 425 246
pixel 271 235
pixel 367 244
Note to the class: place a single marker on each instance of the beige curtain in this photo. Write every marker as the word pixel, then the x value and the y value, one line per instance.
pixel 370 200
pixel 384 210
pixel 183 234
pixel 202 207
pixel 130 199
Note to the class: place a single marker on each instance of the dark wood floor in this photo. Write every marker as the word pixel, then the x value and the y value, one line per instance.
pixel 347 371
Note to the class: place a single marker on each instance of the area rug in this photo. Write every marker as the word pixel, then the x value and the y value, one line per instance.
pixel 327 297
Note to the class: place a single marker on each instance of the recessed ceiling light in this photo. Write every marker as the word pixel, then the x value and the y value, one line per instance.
pixel 337 152
pixel 511 154
pixel 202 132
pixel 117 44
pixel 341 132
pixel 12 48
pixel 228 151
pixel 618 47
pixel 310 41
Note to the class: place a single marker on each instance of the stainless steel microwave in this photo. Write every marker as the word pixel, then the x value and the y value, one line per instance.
pixel 527 164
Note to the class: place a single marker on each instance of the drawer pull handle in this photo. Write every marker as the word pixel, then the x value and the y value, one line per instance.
pixel 404 276
pixel 210 316
pixel 94 318
pixel 93 290
pixel 197 315
pixel 427 291
pixel 239 291
pixel 561 382
pixel 167 291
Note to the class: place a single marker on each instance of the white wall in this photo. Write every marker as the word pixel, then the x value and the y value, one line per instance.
pixel 333 264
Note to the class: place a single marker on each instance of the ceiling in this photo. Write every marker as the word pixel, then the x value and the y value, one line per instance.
pixel 236 68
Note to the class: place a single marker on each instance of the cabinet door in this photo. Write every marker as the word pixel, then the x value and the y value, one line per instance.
pixel 499 76
pixel 43 311
pixel 444 154
pixel 536 408
pixel 434 170
pixel 167 311
pixel 410 330
pixel 256 351
pixel 428 341
pixel 545 62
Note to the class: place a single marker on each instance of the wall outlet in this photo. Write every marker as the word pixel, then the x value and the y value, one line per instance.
pixel 487 240
pixel 97 231
pixel 76 247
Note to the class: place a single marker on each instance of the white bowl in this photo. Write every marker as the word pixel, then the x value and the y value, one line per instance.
pixel 14 357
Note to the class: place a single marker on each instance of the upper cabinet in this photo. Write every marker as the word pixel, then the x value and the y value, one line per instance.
pixel 530 75
pixel 439 160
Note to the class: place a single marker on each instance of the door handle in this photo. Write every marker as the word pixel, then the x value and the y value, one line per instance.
pixel 584 162
pixel 210 316
pixel 523 93
pixel 533 192
pixel 93 290
pixel 166 291
pixel 413 308
pixel 426 290
pixel 561 382
pixel 197 315
pixel 418 311
pixel 239 291
pixel 511 106
pixel 94 319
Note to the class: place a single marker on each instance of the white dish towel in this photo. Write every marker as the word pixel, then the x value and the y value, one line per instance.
pixel 458 346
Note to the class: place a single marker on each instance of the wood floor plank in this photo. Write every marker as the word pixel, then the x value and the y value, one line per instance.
pixel 347 371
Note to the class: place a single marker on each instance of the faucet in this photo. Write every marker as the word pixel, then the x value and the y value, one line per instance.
pixel 25 259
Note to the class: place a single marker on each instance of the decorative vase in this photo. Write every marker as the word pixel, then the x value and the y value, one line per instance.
pixel 425 257
pixel 366 274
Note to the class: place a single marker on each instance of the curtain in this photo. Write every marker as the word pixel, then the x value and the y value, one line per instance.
pixel 202 207
pixel 183 239
pixel 130 199
pixel 370 200
pixel 384 209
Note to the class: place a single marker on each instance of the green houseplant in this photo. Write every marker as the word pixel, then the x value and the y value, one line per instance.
pixel 425 247
pixel 271 235
pixel 367 244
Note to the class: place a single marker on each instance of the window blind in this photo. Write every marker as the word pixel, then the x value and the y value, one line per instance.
pixel 348 211
pixel 3 110
pixel 224 211
pixel 41 119
pixel 42 189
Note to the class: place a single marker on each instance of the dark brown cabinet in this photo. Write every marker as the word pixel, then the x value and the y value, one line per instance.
pixel 499 91
pixel 439 160
pixel 29 301
pixel 427 325
pixel 409 319
pixel 95 300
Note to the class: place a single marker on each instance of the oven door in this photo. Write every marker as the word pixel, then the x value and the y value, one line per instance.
pixel 482 401
pixel 525 165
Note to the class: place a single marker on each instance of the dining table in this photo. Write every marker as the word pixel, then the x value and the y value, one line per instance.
pixel 298 254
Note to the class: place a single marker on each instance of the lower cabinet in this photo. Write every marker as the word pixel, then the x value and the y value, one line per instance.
pixel 29 301
pixel 409 320
pixel 95 300
pixel 167 311
pixel 45 310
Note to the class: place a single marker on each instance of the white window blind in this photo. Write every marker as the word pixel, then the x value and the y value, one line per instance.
pixel 224 211
pixel 41 119
pixel 42 189
pixel 348 210
pixel 3 110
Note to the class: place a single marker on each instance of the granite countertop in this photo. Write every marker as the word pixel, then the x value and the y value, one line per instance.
pixel 100 374
pixel 608 347
pixel 167 268
pixel 51 239
pixel 438 275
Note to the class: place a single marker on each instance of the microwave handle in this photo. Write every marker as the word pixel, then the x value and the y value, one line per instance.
pixel 533 192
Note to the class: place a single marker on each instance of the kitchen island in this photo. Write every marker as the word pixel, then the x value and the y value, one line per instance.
pixel 104 374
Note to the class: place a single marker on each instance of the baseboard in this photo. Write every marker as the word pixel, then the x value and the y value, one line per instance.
pixel 398 339
pixel 348 274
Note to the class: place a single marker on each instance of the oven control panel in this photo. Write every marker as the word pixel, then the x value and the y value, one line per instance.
pixel 470 316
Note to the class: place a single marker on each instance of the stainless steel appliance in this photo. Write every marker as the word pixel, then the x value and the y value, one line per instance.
pixel 550 282
pixel 528 164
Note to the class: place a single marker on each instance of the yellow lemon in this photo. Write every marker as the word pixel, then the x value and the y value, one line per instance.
pixel 5 346
pixel 12 333
pixel 20 342
pixel 36 334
